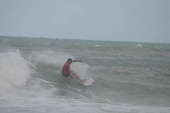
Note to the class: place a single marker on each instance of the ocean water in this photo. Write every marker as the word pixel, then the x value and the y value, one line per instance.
pixel 130 77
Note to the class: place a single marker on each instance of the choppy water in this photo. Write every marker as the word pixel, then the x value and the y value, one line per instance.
pixel 130 77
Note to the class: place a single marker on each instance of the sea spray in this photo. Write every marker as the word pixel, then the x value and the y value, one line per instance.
pixel 14 70
pixel 58 59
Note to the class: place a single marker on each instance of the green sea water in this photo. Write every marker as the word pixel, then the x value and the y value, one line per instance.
pixel 130 77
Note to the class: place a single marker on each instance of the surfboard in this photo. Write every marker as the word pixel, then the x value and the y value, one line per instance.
pixel 88 81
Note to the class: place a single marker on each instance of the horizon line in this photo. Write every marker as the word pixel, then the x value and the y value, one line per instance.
pixel 83 39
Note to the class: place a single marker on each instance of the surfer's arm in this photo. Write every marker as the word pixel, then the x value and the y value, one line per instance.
pixel 76 60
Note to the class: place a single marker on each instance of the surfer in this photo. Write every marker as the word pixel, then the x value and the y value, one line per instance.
pixel 66 72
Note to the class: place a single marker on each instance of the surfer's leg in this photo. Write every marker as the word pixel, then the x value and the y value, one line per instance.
pixel 69 75
pixel 72 76
pixel 78 77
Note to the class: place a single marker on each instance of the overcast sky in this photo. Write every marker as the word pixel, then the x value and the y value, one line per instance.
pixel 116 20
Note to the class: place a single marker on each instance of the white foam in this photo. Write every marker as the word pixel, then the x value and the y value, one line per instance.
pixel 51 57
pixel 98 45
pixel 139 45
pixel 41 104
pixel 80 68
pixel 14 70
pixel 58 59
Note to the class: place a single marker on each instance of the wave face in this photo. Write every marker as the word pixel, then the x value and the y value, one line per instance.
pixel 129 77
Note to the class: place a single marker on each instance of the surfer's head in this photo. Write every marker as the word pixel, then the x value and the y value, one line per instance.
pixel 69 60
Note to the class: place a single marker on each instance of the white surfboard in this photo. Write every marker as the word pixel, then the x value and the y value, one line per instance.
pixel 88 81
